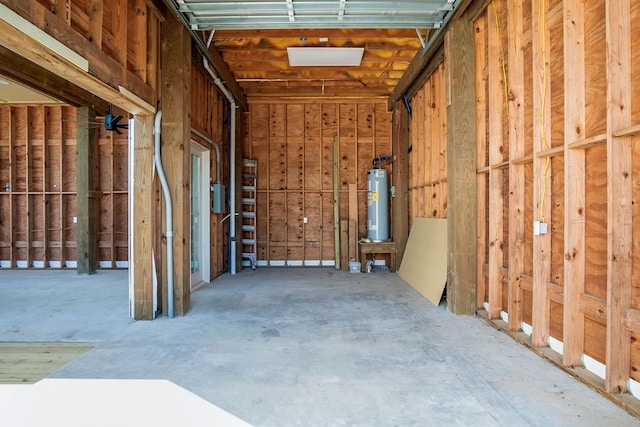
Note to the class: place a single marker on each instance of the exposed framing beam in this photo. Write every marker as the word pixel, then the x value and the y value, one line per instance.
pixel 516 171
pixel 87 183
pixel 176 155
pixel 422 58
pixel 480 26
pixel 101 75
pixel 141 241
pixel 496 106
pixel 26 72
pixel 574 173
pixel 620 196
pixel 213 56
pixel 400 202
pixel 541 172
pixel 461 166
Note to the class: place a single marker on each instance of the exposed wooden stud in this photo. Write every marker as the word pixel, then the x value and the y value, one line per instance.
pixel 12 188
pixel 620 196
pixel 516 171
pixel 344 244
pixel 482 167
pixel 28 205
pixel 353 221
pixel 46 214
pixel 400 203
pixel 96 13
pixel 574 223
pixel 119 31
pixel 541 170
pixel 336 201
pixel 138 35
pixel 496 106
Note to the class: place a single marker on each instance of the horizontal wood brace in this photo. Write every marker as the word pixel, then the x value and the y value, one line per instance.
pixel 428 184
pixel 552 152
pixel 38 193
pixel 594 307
pixel 555 291
pixel 482 170
pixel 589 142
pixel 630 131
pixel 501 165
pixel 522 160
pixel 109 244
pixel 37 244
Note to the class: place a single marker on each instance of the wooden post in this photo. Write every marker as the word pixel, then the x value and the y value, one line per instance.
pixel 344 245
pixel 461 166
pixel 86 182
pixel 516 170
pixel 574 174
pixel 353 221
pixel 620 193
pixel 400 201
pixel 336 201
pixel 143 224
pixel 176 152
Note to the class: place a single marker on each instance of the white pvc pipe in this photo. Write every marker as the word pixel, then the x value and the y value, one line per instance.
pixel 232 167
pixel 232 191
pixel 167 198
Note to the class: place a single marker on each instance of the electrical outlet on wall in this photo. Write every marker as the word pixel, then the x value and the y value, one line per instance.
pixel 539 228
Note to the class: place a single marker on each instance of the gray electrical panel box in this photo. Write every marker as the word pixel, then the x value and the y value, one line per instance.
pixel 217 198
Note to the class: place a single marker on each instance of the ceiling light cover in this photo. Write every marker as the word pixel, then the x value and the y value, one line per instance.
pixel 325 56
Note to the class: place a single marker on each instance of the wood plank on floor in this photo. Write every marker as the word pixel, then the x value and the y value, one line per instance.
pixel 31 362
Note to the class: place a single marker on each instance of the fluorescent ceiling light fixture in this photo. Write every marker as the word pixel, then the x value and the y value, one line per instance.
pixel 325 56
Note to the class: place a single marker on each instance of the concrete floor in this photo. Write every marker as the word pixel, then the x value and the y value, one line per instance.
pixel 306 347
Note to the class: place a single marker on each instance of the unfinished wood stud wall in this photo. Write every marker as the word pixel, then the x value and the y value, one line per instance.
pixel 293 143
pixel 569 161
pixel 39 193
pixel 428 156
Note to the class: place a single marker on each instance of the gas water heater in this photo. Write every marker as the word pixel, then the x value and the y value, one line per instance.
pixel 378 205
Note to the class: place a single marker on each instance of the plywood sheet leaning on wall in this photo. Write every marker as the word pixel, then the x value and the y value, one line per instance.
pixel 424 264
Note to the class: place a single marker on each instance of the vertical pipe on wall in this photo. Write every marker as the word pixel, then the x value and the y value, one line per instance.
pixel 167 198
pixel 232 168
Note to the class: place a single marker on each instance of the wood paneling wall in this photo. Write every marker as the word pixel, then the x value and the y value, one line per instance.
pixel 293 143
pixel 558 112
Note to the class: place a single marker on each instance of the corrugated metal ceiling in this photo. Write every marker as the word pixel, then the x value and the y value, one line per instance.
pixel 290 14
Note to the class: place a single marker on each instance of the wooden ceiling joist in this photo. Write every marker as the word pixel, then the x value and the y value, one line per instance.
pixel 20 69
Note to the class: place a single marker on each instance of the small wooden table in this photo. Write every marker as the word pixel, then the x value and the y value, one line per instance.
pixel 378 248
